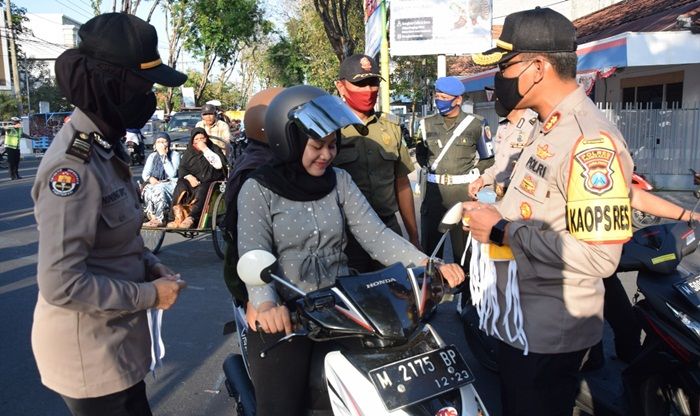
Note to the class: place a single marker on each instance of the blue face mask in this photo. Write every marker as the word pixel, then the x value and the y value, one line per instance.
pixel 445 106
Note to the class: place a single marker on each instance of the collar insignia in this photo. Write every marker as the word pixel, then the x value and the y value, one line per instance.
pixel 551 122
pixel 97 137
pixel 543 151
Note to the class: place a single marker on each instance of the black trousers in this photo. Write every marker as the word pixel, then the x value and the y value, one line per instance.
pixel 13 161
pixel 358 258
pixel 438 199
pixel 538 384
pixel 281 379
pixel 129 402
pixel 619 314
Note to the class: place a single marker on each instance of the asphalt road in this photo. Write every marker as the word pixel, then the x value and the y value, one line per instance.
pixel 191 380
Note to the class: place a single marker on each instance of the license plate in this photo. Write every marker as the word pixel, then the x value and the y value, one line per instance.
pixel 420 377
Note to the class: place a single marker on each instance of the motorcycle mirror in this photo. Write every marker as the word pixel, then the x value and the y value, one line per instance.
pixel 451 218
pixel 255 267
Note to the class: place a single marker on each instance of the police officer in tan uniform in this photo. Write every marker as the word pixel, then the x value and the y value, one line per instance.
pixel 561 223
pixel 378 162
pixel 447 153
pixel 90 336
pixel 513 133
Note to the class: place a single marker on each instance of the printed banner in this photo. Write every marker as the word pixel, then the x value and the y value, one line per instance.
pixel 373 32
pixel 433 27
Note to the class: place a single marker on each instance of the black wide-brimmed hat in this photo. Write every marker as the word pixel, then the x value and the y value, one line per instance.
pixel 537 30
pixel 129 42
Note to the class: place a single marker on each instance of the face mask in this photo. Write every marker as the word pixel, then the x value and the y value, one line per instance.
pixel 507 91
pixel 135 112
pixel 361 100
pixel 444 106
pixel 500 110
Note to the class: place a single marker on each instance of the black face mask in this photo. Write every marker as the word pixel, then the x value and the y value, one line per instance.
pixel 136 111
pixel 507 91
pixel 500 110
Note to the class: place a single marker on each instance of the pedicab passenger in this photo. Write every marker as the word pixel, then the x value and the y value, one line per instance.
pixel 297 207
pixel 201 164
pixel 160 175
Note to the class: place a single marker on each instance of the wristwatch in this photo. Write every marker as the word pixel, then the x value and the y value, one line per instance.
pixel 498 232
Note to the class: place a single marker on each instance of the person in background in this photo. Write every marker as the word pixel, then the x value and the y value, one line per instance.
pixel 90 335
pixel 257 153
pixel 377 161
pixel 201 164
pixel 160 175
pixel 447 153
pixel 513 134
pixel 218 130
pixel 298 207
pixel 11 137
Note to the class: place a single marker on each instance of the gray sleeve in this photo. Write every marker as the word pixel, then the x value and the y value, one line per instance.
pixel 383 244
pixel 64 247
pixel 255 233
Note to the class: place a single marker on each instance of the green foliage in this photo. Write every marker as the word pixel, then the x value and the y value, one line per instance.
pixel 8 106
pixel 308 49
pixel 220 27
pixel 285 64
pixel 414 76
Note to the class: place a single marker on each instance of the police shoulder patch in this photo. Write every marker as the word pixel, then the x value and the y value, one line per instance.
pixel 598 205
pixel 64 182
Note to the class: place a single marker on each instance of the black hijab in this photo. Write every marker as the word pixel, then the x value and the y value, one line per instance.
pixel 291 181
pixel 114 98
pixel 194 163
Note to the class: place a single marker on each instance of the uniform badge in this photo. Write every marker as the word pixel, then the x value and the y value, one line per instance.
pixel 525 211
pixel 447 411
pixel 64 182
pixel 551 122
pixel 386 138
pixel 597 171
pixel 528 185
pixel 365 64
pixel 487 132
pixel 543 151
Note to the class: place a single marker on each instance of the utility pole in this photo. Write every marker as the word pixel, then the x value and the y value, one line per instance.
pixel 13 57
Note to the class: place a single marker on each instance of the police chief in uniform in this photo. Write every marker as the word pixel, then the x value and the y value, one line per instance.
pixel 378 162
pixel 447 151
pixel 559 228
pixel 91 337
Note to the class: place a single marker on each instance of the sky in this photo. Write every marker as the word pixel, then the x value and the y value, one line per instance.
pixel 81 11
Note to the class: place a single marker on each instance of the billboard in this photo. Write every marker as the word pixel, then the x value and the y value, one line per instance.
pixel 436 27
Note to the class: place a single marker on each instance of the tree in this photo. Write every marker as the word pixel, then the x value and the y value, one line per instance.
pixel 337 16
pixel 177 15
pixel 219 30
pixel 308 48
pixel 413 77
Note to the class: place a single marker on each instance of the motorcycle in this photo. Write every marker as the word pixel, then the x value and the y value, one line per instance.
pixel 390 360
pixel 664 378
pixel 642 219
pixel 134 148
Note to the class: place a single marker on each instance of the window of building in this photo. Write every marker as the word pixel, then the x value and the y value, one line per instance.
pixel 655 91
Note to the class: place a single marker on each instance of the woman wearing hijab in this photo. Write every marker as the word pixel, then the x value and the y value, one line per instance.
pixel 297 207
pixel 202 163
pixel 90 335
pixel 160 175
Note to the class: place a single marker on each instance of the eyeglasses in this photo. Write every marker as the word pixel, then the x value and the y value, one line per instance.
pixel 502 67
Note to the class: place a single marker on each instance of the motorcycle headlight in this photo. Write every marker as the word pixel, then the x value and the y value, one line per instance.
pixel 690 323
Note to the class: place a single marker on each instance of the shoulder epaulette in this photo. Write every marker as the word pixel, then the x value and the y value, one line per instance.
pixel 392 118
pixel 80 146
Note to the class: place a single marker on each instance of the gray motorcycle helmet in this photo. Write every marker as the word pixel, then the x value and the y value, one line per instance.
pixel 304 111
